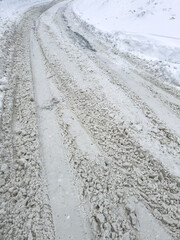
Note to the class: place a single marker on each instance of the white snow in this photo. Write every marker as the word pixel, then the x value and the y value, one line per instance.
pixel 143 16
pixel 145 28
pixel 11 12
pixel 3 85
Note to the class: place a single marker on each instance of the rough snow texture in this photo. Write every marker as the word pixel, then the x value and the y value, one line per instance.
pixel 25 212
pixel 148 29
pixel 11 12
pixel 120 131
pixel 122 181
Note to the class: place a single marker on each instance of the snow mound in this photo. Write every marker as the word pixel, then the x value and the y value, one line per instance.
pixel 145 28
pixel 143 16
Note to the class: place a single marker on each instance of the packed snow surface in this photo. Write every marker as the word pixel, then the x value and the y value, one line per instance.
pixel 89 129
pixel 11 12
pixel 146 28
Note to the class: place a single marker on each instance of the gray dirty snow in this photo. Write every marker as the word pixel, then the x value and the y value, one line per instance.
pixel 89 147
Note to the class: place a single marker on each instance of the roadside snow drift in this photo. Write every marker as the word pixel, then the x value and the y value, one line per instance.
pixel 146 28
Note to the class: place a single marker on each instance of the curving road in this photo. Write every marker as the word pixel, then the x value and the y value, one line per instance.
pixel 90 140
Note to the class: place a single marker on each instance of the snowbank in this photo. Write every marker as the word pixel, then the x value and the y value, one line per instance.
pixel 145 28
pixel 143 16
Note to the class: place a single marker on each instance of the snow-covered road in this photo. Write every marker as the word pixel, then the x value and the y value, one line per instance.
pixel 90 140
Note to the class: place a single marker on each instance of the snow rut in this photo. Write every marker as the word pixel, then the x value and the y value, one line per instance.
pixel 116 143
pixel 123 177
pixel 25 208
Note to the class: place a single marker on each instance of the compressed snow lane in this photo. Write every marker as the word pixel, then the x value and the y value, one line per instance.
pixel 67 212
pixel 24 202
pixel 89 147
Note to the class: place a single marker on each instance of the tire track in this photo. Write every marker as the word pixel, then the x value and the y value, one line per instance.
pixel 130 170
pixel 25 208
